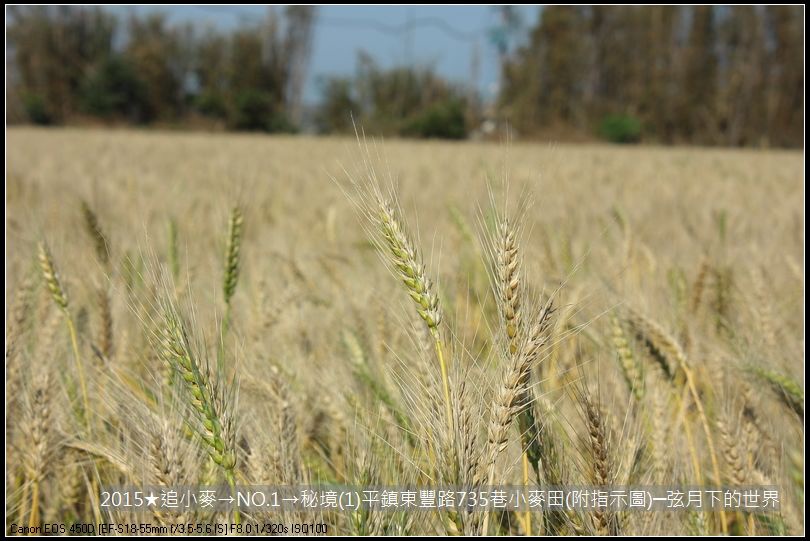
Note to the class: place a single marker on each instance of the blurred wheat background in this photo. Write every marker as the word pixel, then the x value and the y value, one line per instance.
pixel 208 308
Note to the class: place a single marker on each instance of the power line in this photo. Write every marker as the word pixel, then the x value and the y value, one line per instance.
pixel 436 23
pixel 419 22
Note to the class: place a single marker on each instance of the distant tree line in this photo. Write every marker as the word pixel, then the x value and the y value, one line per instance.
pixel 407 101
pixel 702 75
pixel 75 61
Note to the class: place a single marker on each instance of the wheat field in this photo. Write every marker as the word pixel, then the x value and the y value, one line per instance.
pixel 204 309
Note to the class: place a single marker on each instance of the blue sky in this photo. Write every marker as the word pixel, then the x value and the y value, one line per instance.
pixel 444 36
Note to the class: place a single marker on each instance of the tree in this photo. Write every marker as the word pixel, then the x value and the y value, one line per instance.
pixel 545 82
pixel 660 49
pixel 338 104
pixel 786 89
pixel 703 74
pixel 113 90
pixel 159 56
pixel 699 95
pixel 268 65
pixel 211 73
pixel 293 55
pixel 404 100
pixel 742 107
pixel 54 47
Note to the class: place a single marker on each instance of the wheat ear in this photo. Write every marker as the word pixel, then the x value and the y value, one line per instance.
pixel 406 262
pixel 93 226
pixel 788 389
pixel 213 423
pixel 631 368
pixel 675 357
pixel 603 520
pixel 506 405
pixel 508 269
pixel 39 427
pixel 230 276
pixel 60 298
pixel 232 249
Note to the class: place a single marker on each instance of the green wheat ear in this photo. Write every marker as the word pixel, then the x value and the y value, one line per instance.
pixel 405 260
pixel 59 296
pixel 232 254
pixel 231 275
pixel 176 352
pixel 789 390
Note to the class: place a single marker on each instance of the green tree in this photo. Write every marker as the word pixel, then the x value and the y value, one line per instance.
pixel 211 72
pixel 53 48
pixel 114 90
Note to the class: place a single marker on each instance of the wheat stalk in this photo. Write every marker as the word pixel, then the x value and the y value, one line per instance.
pixel 105 334
pixel 173 250
pixel 674 358
pixel 290 467
pixel 59 296
pixel 406 262
pixel 18 314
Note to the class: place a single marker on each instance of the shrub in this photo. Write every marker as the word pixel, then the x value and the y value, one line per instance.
pixel 279 122
pixel 37 110
pixel 251 110
pixel 258 110
pixel 620 129
pixel 212 104
pixel 443 120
